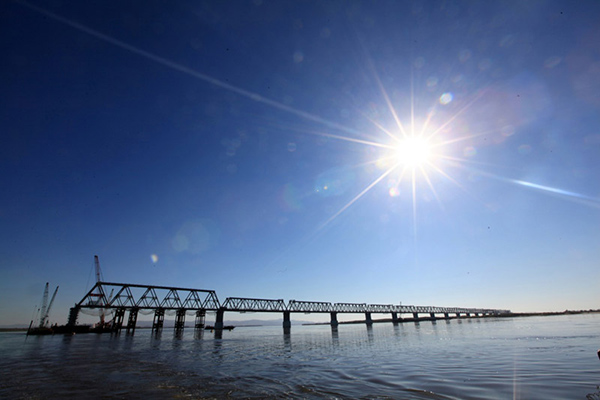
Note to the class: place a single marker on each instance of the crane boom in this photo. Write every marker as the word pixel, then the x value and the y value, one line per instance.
pixel 98 280
pixel 44 305
pixel 98 273
pixel 44 320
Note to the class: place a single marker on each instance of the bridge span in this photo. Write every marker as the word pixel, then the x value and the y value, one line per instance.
pixel 128 298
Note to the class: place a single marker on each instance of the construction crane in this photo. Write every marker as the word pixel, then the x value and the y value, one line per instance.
pixel 98 271
pixel 42 328
pixel 100 295
pixel 45 313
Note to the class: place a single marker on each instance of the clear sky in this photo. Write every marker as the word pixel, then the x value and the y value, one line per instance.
pixel 429 153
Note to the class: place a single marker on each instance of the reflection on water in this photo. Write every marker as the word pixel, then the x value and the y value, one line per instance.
pixel 549 357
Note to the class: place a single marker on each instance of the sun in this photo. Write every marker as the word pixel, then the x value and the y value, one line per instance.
pixel 413 152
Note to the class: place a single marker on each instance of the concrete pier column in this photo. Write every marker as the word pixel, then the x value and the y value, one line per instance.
pixel 132 321
pixel 446 315
pixel 200 319
pixel 180 320
pixel 432 315
pixel 158 320
pixel 416 316
pixel 287 323
pixel 468 315
pixel 395 317
pixel 368 319
pixel 334 321
pixel 219 319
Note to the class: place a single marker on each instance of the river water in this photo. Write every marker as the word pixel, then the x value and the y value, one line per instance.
pixel 510 358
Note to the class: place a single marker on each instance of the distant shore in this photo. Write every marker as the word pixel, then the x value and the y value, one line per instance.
pixel 544 314
pixel 510 315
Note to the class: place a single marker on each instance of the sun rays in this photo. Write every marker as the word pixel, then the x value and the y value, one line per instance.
pixel 417 147
pixel 410 158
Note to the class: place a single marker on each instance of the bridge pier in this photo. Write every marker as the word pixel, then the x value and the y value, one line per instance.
pixel 118 320
pixel 200 319
pixel 180 320
pixel 219 319
pixel 73 315
pixel 432 316
pixel 368 319
pixel 133 314
pixel 287 323
pixel 446 315
pixel 334 321
pixel 416 316
pixel 395 317
pixel 159 319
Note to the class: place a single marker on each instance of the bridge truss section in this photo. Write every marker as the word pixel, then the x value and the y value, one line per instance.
pixel 133 296
pixel 350 307
pixel 253 305
pixel 310 306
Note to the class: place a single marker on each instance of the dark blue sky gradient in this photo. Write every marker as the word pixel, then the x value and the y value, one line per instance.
pixel 215 145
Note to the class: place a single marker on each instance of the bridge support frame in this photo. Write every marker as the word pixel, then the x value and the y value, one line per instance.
pixel 368 319
pixel 180 320
pixel 159 319
pixel 200 319
pixel 118 320
pixel 73 315
pixel 416 316
pixel 432 316
pixel 132 321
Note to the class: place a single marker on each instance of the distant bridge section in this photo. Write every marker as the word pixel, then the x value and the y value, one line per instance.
pixel 309 306
pixel 349 307
pixel 131 298
pixel 253 305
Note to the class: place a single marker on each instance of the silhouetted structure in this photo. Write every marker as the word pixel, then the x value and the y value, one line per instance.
pixel 131 298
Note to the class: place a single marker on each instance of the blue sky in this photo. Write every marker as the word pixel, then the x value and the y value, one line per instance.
pixel 251 147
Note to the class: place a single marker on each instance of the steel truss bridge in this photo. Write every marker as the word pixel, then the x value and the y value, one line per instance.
pixel 133 299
